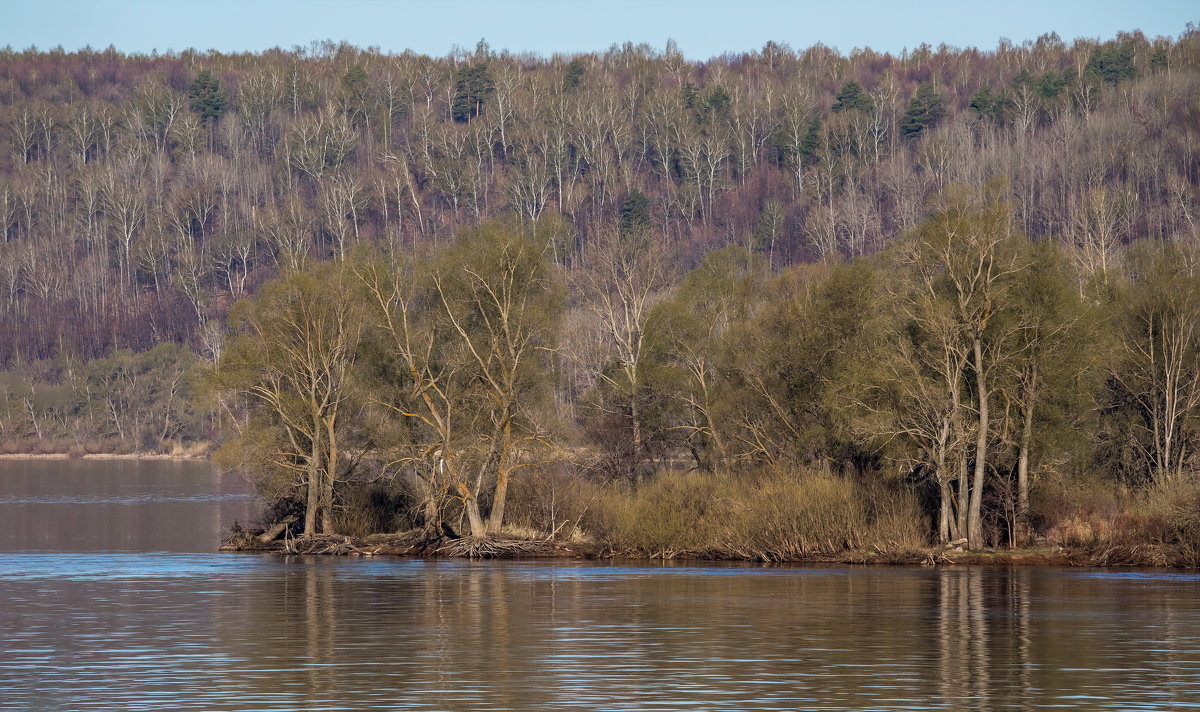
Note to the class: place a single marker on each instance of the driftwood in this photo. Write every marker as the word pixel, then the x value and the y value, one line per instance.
pixel 277 529
pixel 326 544
pixel 938 555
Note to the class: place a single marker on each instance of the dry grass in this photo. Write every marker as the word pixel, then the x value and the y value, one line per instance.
pixel 767 516
pixel 1155 526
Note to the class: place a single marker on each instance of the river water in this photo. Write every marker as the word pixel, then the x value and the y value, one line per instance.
pixel 112 598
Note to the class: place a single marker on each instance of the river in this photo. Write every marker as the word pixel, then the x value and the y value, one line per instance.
pixel 112 598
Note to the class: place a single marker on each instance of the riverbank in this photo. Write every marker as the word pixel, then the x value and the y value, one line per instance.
pixel 417 545
pixel 197 454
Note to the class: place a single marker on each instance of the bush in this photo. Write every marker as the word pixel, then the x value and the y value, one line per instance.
pixel 371 509
pixel 1159 525
pixel 551 500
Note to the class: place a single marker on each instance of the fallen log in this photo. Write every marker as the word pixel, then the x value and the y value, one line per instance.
pixel 938 555
pixel 277 529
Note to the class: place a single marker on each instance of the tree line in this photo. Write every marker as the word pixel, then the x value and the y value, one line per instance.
pixel 966 364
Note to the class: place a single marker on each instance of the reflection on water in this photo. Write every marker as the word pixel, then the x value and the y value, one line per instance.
pixel 84 631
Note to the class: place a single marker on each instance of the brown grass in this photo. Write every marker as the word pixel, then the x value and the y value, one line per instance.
pixel 773 516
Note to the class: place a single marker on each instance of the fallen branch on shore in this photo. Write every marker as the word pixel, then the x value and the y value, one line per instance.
pixel 328 545
pixel 938 555
pixel 277 529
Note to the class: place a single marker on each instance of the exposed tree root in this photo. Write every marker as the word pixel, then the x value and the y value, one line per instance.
pixel 485 548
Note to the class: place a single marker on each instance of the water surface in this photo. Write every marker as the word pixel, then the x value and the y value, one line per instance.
pixel 111 598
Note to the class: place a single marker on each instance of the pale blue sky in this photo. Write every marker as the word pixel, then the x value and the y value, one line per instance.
pixel 702 28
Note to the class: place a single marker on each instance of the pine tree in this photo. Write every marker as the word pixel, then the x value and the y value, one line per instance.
pixel 206 97
pixel 853 97
pixel 988 106
pixel 635 214
pixel 1111 63
pixel 573 74
pixel 925 109
pixel 473 86
pixel 355 93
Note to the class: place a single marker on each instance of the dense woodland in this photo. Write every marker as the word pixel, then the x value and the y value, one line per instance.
pixel 770 304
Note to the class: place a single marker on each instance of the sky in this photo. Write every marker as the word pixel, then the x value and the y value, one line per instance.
pixel 701 28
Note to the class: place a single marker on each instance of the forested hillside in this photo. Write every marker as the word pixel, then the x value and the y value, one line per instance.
pixel 951 274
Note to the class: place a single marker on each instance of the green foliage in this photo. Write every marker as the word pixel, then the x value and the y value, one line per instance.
pixel 356 93
pixel 784 365
pixel 689 346
pixel 122 403
pixel 290 358
pixel 1111 62
pixel 851 97
pixel 689 96
pixel 988 106
pixel 1156 376
pixel 635 215
pixel 473 87
pixel 206 98
pixel 573 75
pixel 1050 84
pixel 924 110
pixel 811 146
pixel 717 102
pixel 1159 59
pixel 461 353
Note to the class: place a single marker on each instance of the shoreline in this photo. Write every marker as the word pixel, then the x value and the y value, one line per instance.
pixel 104 456
pixel 409 547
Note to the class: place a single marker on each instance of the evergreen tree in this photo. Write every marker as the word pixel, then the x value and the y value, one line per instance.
pixel 206 97
pixel 689 96
pixel 355 93
pixel 853 97
pixel 473 86
pixel 1051 84
pixel 925 109
pixel 635 214
pixel 812 143
pixel 1111 63
pixel 988 106
pixel 573 74
pixel 1159 60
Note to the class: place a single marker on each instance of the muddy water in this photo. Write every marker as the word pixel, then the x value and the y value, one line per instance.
pixel 111 598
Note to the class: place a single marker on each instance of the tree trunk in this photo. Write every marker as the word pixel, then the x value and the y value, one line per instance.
pixel 496 520
pixel 1023 454
pixel 331 465
pixel 961 496
pixel 500 494
pixel 276 530
pixel 974 515
pixel 636 422
pixel 313 501
pixel 945 494
pixel 478 526
pixel 430 507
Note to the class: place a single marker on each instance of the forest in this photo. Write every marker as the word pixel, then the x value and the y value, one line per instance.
pixel 769 305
